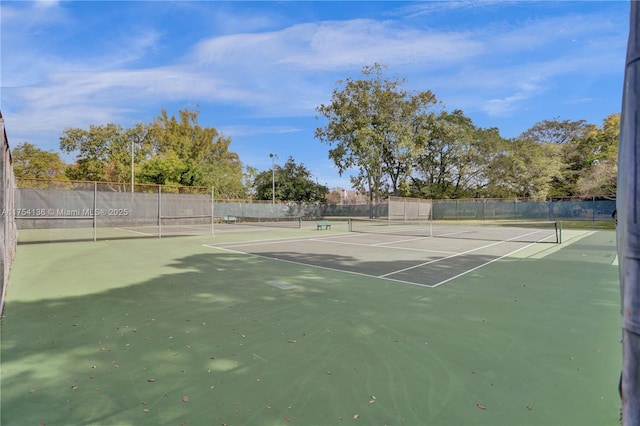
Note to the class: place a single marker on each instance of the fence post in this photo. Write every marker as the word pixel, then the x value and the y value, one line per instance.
pixel 95 210
pixel 159 211
pixel 213 200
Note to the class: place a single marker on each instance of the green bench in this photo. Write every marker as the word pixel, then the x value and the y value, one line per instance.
pixel 230 219
pixel 323 224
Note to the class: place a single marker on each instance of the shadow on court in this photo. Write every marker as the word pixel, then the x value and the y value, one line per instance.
pixel 171 332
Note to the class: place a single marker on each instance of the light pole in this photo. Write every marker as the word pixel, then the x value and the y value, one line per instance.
pixel 273 181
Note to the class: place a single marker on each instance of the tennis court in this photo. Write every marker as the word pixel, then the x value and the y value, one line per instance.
pixel 275 326
pixel 411 254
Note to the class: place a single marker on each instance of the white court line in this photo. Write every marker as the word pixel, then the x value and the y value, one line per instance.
pixel 278 240
pixel 384 276
pixel 132 231
pixel 386 247
pixel 267 242
pixel 326 268
pixel 448 234
pixel 400 241
pixel 460 254
pixel 480 266
pixel 311 266
pixel 326 239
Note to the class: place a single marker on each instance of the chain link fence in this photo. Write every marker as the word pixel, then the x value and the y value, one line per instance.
pixel 9 237
pixel 592 209
pixel 72 210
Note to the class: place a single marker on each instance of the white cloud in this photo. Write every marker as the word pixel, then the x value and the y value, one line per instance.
pixel 289 71
pixel 335 45
pixel 432 7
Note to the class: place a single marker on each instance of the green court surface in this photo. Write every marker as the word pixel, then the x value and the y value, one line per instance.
pixel 299 326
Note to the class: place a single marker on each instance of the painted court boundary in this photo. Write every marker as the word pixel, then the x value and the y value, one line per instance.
pixel 386 276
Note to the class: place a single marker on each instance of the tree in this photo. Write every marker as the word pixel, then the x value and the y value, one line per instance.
pixel 589 154
pixel 104 152
pixel 164 169
pixel 570 135
pixel 169 151
pixel 372 126
pixel 556 131
pixel 454 156
pixel 32 162
pixel 600 148
pixel 98 151
pixel 412 119
pixel 524 168
pixel 293 182
pixel 248 179
pixel 205 159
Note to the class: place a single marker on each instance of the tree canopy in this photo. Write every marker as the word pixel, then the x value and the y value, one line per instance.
pixel 407 144
pixel 394 141
pixel 292 182
pixel 375 126
pixel 32 162
pixel 168 151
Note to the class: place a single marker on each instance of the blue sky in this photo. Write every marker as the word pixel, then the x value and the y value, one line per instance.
pixel 258 70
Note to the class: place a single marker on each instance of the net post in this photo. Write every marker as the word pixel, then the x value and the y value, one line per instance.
pixel 559 232
pixel 430 217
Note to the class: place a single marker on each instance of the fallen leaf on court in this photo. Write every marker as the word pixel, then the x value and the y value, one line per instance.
pixel 151 380
pixel 287 418
pixel 356 416
pixel 529 408
pixel 371 401
pixel 480 406
pixel 185 398
pixel 74 387
pixel 146 410
pixel 291 341
pixel 329 373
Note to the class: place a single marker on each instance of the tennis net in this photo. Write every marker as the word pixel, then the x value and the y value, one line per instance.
pixel 528 232
pixel 274 222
